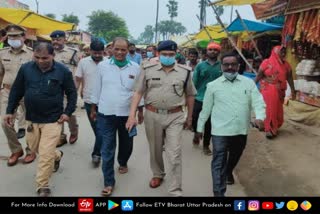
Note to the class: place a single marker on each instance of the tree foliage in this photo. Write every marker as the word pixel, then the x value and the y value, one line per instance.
pixel 220 10
pixel 107 24
pixel 70 18
pixel 146 37
pixel 172 8
pixel 170 27
pixel 51 15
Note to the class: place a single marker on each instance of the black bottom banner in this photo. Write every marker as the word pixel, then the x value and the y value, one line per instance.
pixel 71 205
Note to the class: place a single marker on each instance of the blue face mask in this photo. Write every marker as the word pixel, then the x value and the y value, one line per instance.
pixel 166 60
pixel 149 54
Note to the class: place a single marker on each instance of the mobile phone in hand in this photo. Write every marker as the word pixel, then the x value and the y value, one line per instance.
pixel 133 131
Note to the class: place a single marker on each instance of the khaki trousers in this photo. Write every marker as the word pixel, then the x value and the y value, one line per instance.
pixel 166 129
pixel 43 140
pixel 9 131
pixel 72 124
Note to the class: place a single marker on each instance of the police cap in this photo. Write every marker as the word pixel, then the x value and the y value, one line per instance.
pixel 167 45
pixel 13 30
pixel 58 34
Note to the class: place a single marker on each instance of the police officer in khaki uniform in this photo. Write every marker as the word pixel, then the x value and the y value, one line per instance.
pixel 11 59
pixel 69 57
pixel 166 87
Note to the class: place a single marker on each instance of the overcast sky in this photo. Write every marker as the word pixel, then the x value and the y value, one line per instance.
pixel 136 13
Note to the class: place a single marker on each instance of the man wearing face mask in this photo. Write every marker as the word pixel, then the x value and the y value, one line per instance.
pixel 166 87
pixel 152 54
pixel 11 59
pixel 69 57
pixel 133 55
pixel 86 76
pixel 205 72
pixel 229 100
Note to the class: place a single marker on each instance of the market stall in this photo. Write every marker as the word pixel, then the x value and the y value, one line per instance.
pixel 302 36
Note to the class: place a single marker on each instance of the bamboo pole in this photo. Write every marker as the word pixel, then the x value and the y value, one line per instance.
pixel 250 37
pixel 211 39
pixel 230 38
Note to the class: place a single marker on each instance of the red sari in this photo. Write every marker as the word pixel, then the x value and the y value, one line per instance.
pixel 273 87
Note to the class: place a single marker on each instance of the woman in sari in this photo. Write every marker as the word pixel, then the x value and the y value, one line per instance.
pixel 273 75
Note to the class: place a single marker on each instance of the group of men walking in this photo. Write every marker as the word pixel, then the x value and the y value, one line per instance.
pixel 114 90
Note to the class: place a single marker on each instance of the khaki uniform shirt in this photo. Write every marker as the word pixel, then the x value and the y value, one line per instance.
pixel 64 56
pixel 164 90
pixel 10 63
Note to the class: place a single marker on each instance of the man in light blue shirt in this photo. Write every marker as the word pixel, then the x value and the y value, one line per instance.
pixel 133 56
pixel 229 99
pixel 112 94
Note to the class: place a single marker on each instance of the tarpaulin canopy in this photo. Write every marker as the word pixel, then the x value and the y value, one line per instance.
pixel 26 18
pixel 252 26
pixel 216 32
pixel 236 2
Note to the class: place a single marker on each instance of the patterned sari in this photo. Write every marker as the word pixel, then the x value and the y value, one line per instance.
pixel 273 87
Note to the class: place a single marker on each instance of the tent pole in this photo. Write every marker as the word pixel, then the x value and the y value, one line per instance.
pixel 250 37
pixel 230 38
pixel 204 27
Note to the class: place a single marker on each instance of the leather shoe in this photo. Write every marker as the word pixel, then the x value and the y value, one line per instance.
pixel 155 182
pixel 230 179
pixel 29 158
pixel 21 133
pixel 44 192
pixel 96 161
pixel 63 140
pixel 57 163
pixel 73 139
pixel 13 159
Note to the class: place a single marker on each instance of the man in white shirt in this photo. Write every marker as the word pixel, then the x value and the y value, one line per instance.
pixel 112 94
pixel 86 75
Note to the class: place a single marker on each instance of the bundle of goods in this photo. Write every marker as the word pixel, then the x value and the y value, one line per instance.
pixel 307 67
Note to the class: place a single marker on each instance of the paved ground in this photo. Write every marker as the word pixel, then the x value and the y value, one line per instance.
pixel 76 177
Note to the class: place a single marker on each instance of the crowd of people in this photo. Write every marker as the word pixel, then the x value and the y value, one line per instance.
pixel 122 88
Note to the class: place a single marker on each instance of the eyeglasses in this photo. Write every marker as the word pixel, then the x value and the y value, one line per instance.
pixel 230 64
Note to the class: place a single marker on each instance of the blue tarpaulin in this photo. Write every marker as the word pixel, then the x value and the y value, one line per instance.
pixel 252 26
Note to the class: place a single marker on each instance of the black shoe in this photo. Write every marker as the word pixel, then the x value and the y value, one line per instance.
pixel 44 192
pixel 230 179
pixel 96 161
pixel 207 151
pixel 21 133
pixel 269 135
pixel 63 141
pixel 57 163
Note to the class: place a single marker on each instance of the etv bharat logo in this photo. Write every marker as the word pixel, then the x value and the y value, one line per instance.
pixel 85 205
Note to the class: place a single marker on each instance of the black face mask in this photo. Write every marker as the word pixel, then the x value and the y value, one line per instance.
pixel 97 59
pixel 131 51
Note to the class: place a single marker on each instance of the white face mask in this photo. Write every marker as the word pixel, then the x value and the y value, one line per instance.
pixel 14 43
pixel 230 76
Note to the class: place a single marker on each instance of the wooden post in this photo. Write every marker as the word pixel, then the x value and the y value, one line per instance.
pixel 211 39
pixel 250 37
pixel 230 38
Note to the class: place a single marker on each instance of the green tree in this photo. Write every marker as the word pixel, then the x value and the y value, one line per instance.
pixel 169 28
pixel 70 18
pixel 172 9
pixel 50 15
pixel 146 37
pixel 107 25
pixel 220 10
